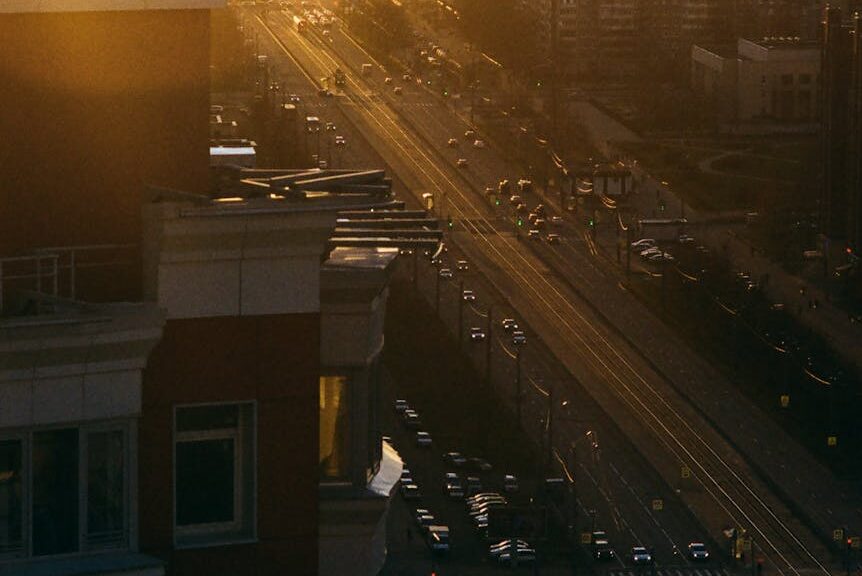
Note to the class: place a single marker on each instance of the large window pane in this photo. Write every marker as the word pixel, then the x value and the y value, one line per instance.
pixel 11 497
pixel 334 427
pixel 105 488
pixel 55 492
pixel 205 481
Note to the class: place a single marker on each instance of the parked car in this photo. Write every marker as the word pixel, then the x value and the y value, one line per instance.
pixel 437 538
pixel 387 80
pixel 641 555
pixel 477 334
pixel 454 459
pixel 698 552
pixel 469 134
pixel 452 486
pixel 494 550
pixel 645 254
pixel 423 439
pixel 484 496
pixel 452 143
pixel 510 484
pixel 478 143
pixel 524 556
pixel 401 406
pixel 556 220
pixel 425 520
pixel 474 485
pixel 479 464
pixel 410 491
pixel 515 200
pixel 643 243
pixel 534 234
pixel 398 91
pixel 553 238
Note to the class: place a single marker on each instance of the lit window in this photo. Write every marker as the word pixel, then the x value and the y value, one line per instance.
pixel 334 428
pixel 214 473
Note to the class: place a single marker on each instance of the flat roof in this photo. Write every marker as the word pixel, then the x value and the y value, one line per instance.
pixel 46 6
pixel 231 150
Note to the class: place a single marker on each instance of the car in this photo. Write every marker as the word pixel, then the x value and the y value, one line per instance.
pixel 324 92
pixel 468 296
pixel 518 337
pixel 510 484
pixel 698 552
pixel 641 555
pixel 401 406
pixel 406 252
pixel 461 162
pixel 521 208
pixel 531 217
pixel 478 143
pixel 474 485
pixel 525 185
pixel 602 551
pixel 643 243
pixel 398 91
pixel 445 272
pixel 514 200
pixel 477 512
pixel 502 546
pixel 534 234
pixel 484 496
pixel 668 256
pixel 477 334
pixel 406 476
pixel 455 459
pixel 649 252
pixel 387 80
pixel 553 238
pixel 539 223
pixel 437 538
pixel 479 464
pixel 452 486
pixel 423 439
pixel 523 555
pixel 410 492
pixel 655 256
pixel 452 143
pixel 540 210
pixel 425 520
pixel 462 265
pixel 294 98
pixel 340 141
pixel 406 77
pixel 469 134
pixel 509 324
pixel 330 127
pixel 413 422
pixel 685 239
pixel 556 220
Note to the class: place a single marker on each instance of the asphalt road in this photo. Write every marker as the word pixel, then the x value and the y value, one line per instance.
pixel 410 131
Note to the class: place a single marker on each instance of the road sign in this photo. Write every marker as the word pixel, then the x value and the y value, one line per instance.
pixel 685 472
pixel 785 400
pixel 658 504
pixel 838 534
pixel 586 538
pixel 832 440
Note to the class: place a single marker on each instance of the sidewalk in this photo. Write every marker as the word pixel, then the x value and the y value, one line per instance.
pixel 828 320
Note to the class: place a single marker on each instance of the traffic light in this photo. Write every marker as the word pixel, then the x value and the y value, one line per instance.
pixel 592 223
pixel 520 221
pixel 496 201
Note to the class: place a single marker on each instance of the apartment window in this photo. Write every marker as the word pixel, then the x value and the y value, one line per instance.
pixel 64 491
pixel 11 497
pixel 214 479
pixel 334 428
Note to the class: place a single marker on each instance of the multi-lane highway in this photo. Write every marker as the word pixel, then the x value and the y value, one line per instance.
pixel 562 292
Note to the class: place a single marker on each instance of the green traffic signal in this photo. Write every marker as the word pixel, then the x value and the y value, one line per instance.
pixel 520 222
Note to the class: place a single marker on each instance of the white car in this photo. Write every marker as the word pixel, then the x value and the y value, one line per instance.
pixel 387 80
pixel 468 296
pixel 478 143
pixel 445 272
pixel 477 334
pixel 645 254
pixel 461 162
pixel 641 555
pixel 423 439
pixel 643 243
pixel 340 141
pixel 398 91
pixel 452 143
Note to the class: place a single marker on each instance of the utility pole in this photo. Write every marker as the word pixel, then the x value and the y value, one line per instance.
pixel 460 313
pixel 488 347
pixel 518 382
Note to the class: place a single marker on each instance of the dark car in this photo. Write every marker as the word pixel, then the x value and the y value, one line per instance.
pixel 479 464
pixel 454 459
pixel 698 552
pixel 410 492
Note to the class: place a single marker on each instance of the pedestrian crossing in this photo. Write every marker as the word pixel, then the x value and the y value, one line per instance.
pixel 670 571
